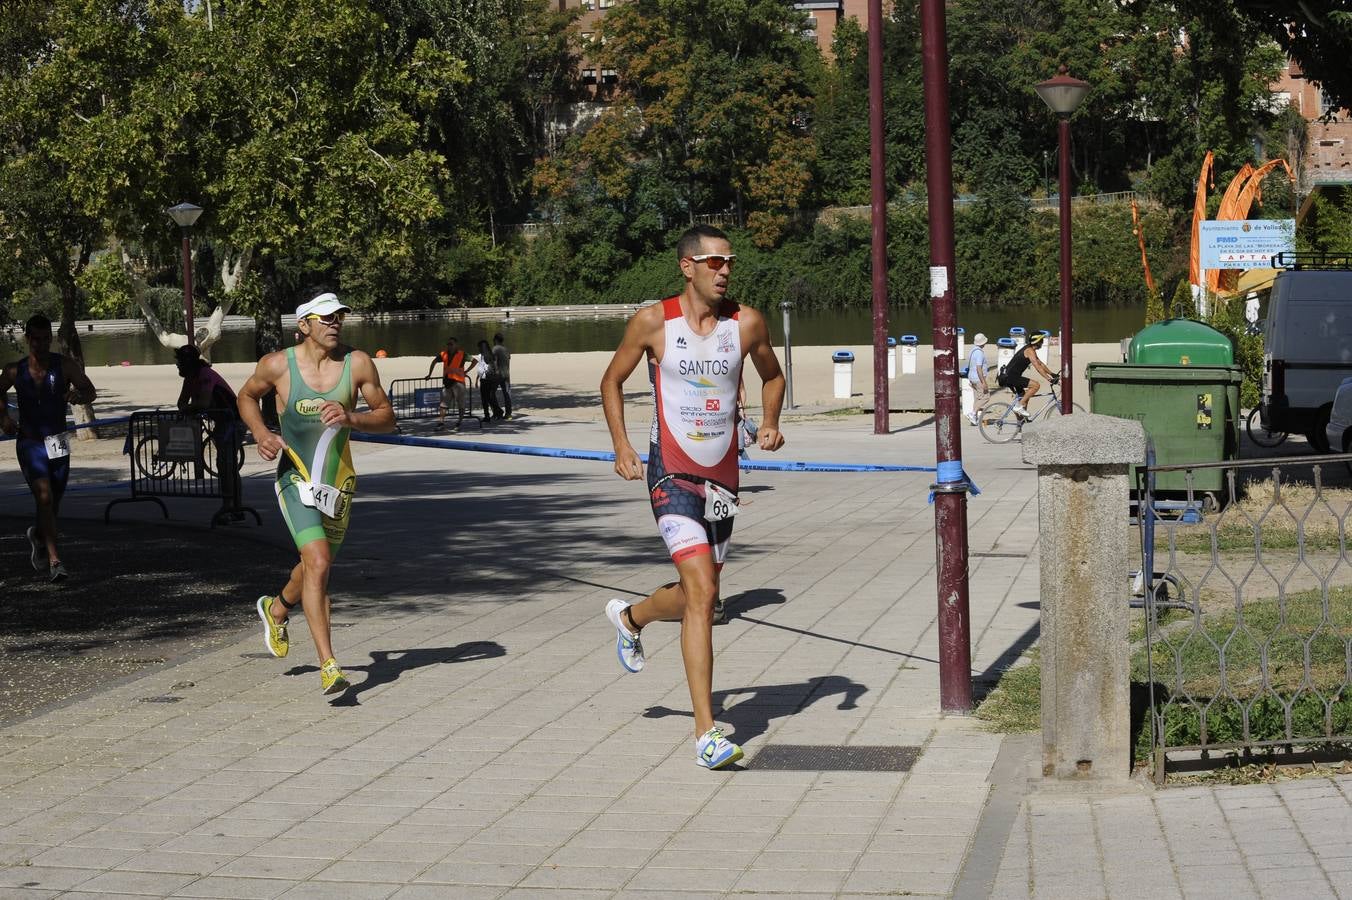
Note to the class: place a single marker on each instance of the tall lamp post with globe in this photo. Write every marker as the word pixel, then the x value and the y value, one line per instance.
pixel 1063 95
pixel 185 216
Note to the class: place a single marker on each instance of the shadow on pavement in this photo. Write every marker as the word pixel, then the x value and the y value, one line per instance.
pixel 387 665
pixel 751 717
pixel 139 594
pixel 755 598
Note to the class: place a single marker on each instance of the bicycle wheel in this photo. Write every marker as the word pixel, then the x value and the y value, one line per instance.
pixel 150 465
pixel 1259 434
pixel 1054 409
pixel 998 424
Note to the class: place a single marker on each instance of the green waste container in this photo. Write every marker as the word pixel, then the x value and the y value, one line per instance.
pixel 1190 412
pixel 1181 342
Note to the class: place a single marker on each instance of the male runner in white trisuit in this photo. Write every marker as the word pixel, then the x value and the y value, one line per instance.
pixel 695 343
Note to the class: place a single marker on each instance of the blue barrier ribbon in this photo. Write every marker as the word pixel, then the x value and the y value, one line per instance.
pixel 750 465
pixel 759 465
pixel 953 473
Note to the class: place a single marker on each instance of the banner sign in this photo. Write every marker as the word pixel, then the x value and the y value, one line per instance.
pixel 1245 244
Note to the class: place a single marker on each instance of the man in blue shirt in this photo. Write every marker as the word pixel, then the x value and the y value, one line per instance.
pixel 976 374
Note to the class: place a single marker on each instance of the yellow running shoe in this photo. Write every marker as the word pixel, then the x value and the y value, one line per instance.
pixel 274 632
pixel 332 677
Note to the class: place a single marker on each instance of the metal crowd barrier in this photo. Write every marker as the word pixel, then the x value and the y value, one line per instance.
pixel 420 398
pixel 193 455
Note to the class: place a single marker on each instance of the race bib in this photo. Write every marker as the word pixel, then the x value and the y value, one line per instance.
pixel 58 445
pixel 719 504
pixel 322 497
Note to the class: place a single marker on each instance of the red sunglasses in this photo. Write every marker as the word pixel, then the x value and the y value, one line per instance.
pixel 714 261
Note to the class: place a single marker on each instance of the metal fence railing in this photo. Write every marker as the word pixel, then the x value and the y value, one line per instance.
pixel 194 455
pixel 1246 641
pixel 420 398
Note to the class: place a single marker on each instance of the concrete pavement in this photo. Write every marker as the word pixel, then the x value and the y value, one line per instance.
pixel 492 747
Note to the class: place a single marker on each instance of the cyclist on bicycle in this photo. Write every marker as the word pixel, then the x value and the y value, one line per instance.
pixel 1012 374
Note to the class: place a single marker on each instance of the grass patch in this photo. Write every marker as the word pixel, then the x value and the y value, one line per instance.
pixel 1015 705
pixel 1187 665
pixel 1221 708
pixel 1237 537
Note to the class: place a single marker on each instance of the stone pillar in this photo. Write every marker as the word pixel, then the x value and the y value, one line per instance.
pixel 1082 464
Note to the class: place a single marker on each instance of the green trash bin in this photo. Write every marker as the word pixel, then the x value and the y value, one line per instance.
pixel 1190 412
pixel 1181 342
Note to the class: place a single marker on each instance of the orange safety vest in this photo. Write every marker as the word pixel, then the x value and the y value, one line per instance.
pixel 453 367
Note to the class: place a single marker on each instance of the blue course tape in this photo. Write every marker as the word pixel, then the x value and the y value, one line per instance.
pixel 759 465
pixel 951 472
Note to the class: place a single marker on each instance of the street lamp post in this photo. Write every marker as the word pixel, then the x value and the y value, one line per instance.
pixel 1063 95
pixel 185 216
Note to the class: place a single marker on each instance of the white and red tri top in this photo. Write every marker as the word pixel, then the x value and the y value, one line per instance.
pixel 695 397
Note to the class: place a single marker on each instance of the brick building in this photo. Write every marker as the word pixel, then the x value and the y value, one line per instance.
pixel 1328 157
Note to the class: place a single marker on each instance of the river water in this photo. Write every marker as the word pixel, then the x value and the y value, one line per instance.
pixel 808 328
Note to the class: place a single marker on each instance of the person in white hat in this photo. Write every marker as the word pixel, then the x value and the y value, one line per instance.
pixel 976 374
pixel 317 383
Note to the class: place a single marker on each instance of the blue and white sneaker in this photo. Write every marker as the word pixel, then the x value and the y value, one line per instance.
pixel 627 645
pixel 713 751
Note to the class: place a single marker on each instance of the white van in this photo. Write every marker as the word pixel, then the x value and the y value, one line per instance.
pixel 1307 350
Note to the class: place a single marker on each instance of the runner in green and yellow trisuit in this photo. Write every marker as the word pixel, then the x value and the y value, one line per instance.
pixel 317 383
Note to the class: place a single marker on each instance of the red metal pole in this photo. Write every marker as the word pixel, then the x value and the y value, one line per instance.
pixel 187 287
pixel 950 500
pixel 881 398
pixel 1066 381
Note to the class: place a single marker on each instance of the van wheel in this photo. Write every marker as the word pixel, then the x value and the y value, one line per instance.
pixel 1318 436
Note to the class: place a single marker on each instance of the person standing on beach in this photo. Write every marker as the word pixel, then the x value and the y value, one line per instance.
pixel 502 361
pixel 453 388
pixel 320 380
pixel 695 343
pixel 43 382
pixel 488 382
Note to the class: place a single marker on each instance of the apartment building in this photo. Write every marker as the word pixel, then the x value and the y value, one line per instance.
pixel 1328 157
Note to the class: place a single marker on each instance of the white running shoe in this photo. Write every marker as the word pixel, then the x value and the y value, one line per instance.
pixel 1021 412
pixel 713 751
pixel 627 645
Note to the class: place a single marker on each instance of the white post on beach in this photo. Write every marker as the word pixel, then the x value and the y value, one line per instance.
pixel 788 357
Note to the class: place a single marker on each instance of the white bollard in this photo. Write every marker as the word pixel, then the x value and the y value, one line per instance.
pixel 844 374
pixel 1006 352
pixel 962 345
pixel 891 358
pixel 1046 345
pixel 909 352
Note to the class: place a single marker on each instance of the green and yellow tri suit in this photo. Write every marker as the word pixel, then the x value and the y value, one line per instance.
pixel 315 452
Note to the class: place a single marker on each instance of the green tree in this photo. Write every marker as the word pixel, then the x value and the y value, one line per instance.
pixel 1183 306
pixel 65 71
pixel 1154 307
pixel 713 100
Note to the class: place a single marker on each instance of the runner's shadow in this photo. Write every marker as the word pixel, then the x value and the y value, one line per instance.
pixel 755 598
pixel 751 717
pixel 387 665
